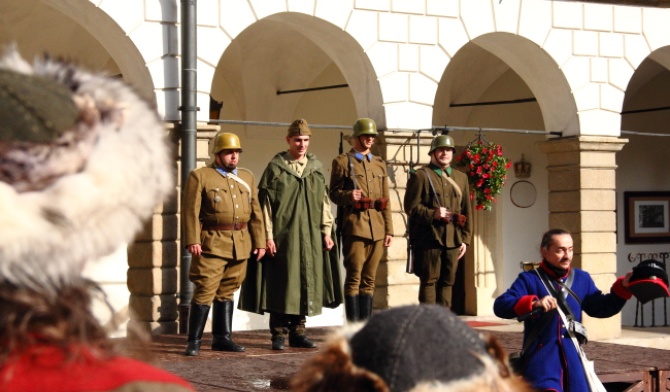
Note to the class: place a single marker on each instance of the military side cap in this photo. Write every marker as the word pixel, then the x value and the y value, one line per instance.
pixel 649 281
pixel 299 128
pixel 33 108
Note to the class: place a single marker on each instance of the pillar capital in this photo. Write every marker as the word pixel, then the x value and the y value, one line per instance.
pixel 582 143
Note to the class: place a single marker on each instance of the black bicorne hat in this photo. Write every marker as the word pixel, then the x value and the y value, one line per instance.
pixel 649 281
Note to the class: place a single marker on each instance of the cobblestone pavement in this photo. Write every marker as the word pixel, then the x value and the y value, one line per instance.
pixel 261 369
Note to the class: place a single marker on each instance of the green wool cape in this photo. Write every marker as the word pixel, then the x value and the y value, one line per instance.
pixel 301 278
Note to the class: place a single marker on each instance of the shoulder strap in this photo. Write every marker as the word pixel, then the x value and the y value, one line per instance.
pixel 432 187
pixel 351 171
pixel 559 297
pixel 544 321
pixel 456 188
pixel 240 181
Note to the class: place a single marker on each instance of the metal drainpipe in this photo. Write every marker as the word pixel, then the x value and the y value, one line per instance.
pixel 188 139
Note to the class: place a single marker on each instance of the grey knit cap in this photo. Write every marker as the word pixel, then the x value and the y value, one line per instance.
pixel 412 344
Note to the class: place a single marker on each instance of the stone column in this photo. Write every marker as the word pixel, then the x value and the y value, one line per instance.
pixel 394 286
pixel 153 259
pixel 582 199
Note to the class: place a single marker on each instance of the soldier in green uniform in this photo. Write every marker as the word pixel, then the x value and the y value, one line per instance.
pixel 359 185
pixel 437 202
pixel 223 223
pixel 299 274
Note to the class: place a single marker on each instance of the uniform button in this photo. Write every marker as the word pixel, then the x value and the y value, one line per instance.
pixel 234 196
pixel 237 206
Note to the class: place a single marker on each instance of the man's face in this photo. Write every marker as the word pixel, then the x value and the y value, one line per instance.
pixel 442 156
pixel 297 146
pixel 364 142
pixel 228 159
pixel 559 253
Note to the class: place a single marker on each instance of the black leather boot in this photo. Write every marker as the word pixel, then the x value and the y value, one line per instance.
pixel 351 308
pixel 296 334
pixel 197 318
pixel 222 327
pixel 365 306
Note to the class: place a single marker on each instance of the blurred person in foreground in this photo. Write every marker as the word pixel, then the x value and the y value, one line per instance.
pixel 83 162
pixel 550 360
pixel 418 348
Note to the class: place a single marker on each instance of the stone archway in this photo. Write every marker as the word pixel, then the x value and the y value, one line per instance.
pixel 502 67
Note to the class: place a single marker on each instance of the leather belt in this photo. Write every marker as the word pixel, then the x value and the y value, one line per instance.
pixel 233 226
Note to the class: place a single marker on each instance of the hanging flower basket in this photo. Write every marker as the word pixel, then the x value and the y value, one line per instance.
pixel 486 168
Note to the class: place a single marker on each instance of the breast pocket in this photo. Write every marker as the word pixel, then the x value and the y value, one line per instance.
pixel 245 200
pixel 216 199
pixel 379 179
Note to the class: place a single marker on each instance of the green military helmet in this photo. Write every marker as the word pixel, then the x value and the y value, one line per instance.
pixel 442 141
pixel 365 126
pixel 226 141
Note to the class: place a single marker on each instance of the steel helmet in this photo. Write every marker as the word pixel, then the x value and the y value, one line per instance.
pixel 226 141
pixel 364 126
pixel 442 141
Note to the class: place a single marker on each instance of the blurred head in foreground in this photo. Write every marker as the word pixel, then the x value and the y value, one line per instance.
pixel 410 348
pixel 83 162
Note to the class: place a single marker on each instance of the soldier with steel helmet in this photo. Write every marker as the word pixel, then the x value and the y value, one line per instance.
pixel 223 227
pixel 359 185
pixel 437 202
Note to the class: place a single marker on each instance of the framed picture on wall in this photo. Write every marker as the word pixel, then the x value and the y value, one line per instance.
pixel 647 217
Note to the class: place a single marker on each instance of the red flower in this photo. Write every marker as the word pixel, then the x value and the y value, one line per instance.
pixel 487 171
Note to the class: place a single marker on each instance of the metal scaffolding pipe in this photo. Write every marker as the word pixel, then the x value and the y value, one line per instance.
pixel 189 111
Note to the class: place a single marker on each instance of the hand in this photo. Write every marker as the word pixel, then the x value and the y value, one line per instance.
pixel 195 249
pixel 270 247
pixel 442 214
pixel 387 240
pixel 461 252
pixel 626 279
pixel 260 252
pixel 547 303
pixel 356 195
pixel 328 242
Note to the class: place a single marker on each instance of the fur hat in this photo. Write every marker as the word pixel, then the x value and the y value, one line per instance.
pixel 410 348
pixel 83 162
pixel 299 128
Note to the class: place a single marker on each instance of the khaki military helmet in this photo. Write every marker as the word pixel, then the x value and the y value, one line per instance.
pixel 442 141
pixel 226 141
pixel 364 126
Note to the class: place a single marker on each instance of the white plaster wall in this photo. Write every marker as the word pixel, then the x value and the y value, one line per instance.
pixel 595 47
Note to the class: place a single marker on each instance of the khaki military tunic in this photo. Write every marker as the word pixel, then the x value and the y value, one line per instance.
pixel 420 203
pixel 225 218
pixel 363 231
pixel 370 176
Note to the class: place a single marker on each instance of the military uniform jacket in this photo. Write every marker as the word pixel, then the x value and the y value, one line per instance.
pixel 372 179
pixel 420 204
pixel 210 199
pixel 301 278
pixel 551 361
